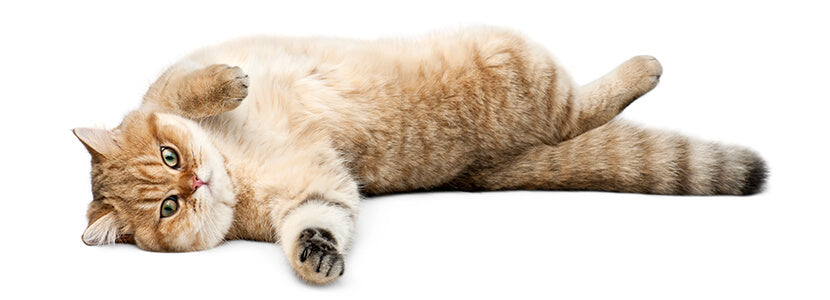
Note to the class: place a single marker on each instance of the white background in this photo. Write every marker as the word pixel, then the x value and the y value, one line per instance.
pixel 748 73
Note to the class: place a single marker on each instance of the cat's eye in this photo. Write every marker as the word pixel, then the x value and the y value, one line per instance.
pixel 169 206
pixel 170 157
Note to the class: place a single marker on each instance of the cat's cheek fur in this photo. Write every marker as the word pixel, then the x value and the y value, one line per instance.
pixel 214 223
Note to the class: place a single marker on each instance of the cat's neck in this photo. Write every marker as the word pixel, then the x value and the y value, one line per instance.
pixel 251 213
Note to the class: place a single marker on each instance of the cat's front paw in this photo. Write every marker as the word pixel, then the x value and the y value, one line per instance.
pixel 317 259
pixel 230 84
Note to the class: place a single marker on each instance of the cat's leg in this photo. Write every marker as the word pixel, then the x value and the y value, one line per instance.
pixel 195 91
pixel 623 158
pixel 600 101
pixel 315 232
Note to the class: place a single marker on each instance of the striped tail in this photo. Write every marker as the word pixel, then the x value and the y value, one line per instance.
pixel 623 158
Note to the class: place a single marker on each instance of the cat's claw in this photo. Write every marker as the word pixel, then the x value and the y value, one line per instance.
pixel 319 260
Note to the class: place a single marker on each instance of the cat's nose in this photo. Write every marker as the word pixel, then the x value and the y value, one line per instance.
pixel 196 183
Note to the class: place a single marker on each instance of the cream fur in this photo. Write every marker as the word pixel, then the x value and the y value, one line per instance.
pixel 317 214
pixel 289 131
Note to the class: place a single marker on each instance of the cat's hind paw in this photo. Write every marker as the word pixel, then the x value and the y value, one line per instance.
pixel 641 74
pixel 317 258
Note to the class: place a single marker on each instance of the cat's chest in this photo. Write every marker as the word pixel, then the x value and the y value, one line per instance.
pixel 251 215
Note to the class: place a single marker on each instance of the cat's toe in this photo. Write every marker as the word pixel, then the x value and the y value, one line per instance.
pixel 330 264
pixel 643 66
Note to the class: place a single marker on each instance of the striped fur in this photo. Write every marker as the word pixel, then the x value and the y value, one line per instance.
pixel 619 157
pixel 291 131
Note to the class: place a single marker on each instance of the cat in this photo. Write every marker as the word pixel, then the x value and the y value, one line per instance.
pixel 277 139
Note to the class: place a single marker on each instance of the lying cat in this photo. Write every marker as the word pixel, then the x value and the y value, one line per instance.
pixel 282 151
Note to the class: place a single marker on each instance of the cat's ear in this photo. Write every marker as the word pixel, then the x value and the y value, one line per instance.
pixel 99 142
pixel 104 230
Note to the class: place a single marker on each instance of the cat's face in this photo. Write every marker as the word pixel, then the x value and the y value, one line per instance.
pixel 157 181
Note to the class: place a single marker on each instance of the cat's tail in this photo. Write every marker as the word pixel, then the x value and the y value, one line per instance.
pixel 624 158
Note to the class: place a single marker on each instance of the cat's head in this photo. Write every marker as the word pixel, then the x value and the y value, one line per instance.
pixel 158 182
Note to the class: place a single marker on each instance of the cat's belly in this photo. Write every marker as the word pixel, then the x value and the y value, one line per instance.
pixel 399 166
pixel 414 120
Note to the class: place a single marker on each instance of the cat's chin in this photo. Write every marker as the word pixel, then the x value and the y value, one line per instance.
pixel 217 199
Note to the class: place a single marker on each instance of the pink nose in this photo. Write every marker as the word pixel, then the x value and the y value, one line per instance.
pixel 196 183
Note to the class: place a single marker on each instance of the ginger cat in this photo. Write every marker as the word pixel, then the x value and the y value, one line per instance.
pixel 275 139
